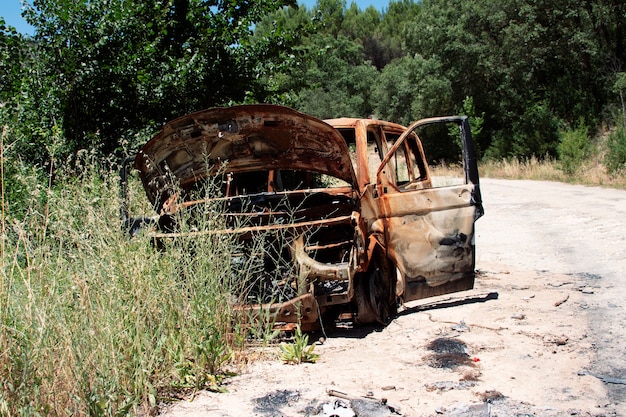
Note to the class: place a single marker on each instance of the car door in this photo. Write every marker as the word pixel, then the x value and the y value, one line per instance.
pixel 428 219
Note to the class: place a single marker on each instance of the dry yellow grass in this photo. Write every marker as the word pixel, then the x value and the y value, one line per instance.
pixel 591 172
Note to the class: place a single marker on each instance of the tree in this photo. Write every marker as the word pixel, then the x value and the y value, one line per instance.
pixel 102 70
pixel 10 57
pixel 331 14
pixel 290 25
pixel 121 66
pixel 336 79
pixel 391 33
pixel 517 59
pixel 411 88
pixel 329 74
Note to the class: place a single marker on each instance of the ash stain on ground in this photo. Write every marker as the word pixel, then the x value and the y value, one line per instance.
pixel 448 353
pixel 271 403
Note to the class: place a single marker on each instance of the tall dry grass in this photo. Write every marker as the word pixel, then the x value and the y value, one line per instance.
pixel 95 323
pixel 591 172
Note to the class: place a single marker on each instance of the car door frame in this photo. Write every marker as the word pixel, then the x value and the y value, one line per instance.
pixel 429 232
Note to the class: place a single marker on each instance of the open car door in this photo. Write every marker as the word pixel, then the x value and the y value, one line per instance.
pixel 429 220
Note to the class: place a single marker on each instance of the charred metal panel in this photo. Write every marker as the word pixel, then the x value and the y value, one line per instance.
pixel 301 309
pixel 429 233
pixel 439 258
pixel 249 138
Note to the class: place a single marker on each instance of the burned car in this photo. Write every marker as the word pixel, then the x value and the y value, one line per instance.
pixel 358 220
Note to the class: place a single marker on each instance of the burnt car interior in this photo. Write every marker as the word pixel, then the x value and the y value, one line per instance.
pixel 281 215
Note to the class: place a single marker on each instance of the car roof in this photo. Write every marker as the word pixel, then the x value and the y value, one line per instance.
pixel 351 122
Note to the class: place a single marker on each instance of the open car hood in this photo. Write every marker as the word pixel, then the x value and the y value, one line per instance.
pixel 247 138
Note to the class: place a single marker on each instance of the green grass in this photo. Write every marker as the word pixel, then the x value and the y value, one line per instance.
pixel 93 322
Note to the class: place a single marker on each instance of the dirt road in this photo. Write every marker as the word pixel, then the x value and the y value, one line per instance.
pixel 542 334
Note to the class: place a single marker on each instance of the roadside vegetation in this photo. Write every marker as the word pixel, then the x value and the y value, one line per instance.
pixel 583 160
pixel 94 323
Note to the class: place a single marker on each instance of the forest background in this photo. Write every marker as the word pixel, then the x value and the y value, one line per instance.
pixel 94 323
pixel 106 75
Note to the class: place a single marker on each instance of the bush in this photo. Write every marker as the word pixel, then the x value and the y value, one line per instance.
pixel 572 147
pixel 616 156
pixel 534 134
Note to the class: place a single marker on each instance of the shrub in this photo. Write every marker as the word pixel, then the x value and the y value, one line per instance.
pixel 616 156
pixel 572 147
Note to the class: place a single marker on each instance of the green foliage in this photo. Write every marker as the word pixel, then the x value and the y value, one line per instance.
pixel 572 147
pixel 10 54
pixel 536 132
pixel 335 73
pixel 616 156
pixel 410 88
pixel 336 82
pixel 619 87
pixel 100 72
pixel 331 14
pixel 299 351
pixel 620 82
pixel 105 70
pixel 389 40
pixel 517 61
pixel 142 65
pixel 476 123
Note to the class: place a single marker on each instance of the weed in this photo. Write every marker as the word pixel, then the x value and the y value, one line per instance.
pixel 299 351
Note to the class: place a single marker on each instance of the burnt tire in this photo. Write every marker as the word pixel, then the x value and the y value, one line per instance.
pixel 375 294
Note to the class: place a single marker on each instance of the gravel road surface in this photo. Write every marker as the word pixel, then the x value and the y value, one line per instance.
pixel 542 334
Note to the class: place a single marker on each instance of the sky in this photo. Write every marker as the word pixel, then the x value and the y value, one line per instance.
pixel 11 11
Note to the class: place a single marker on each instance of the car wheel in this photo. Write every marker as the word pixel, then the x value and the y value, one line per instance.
pixel 375 294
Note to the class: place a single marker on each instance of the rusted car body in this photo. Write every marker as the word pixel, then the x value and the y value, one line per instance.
pixel 359 225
